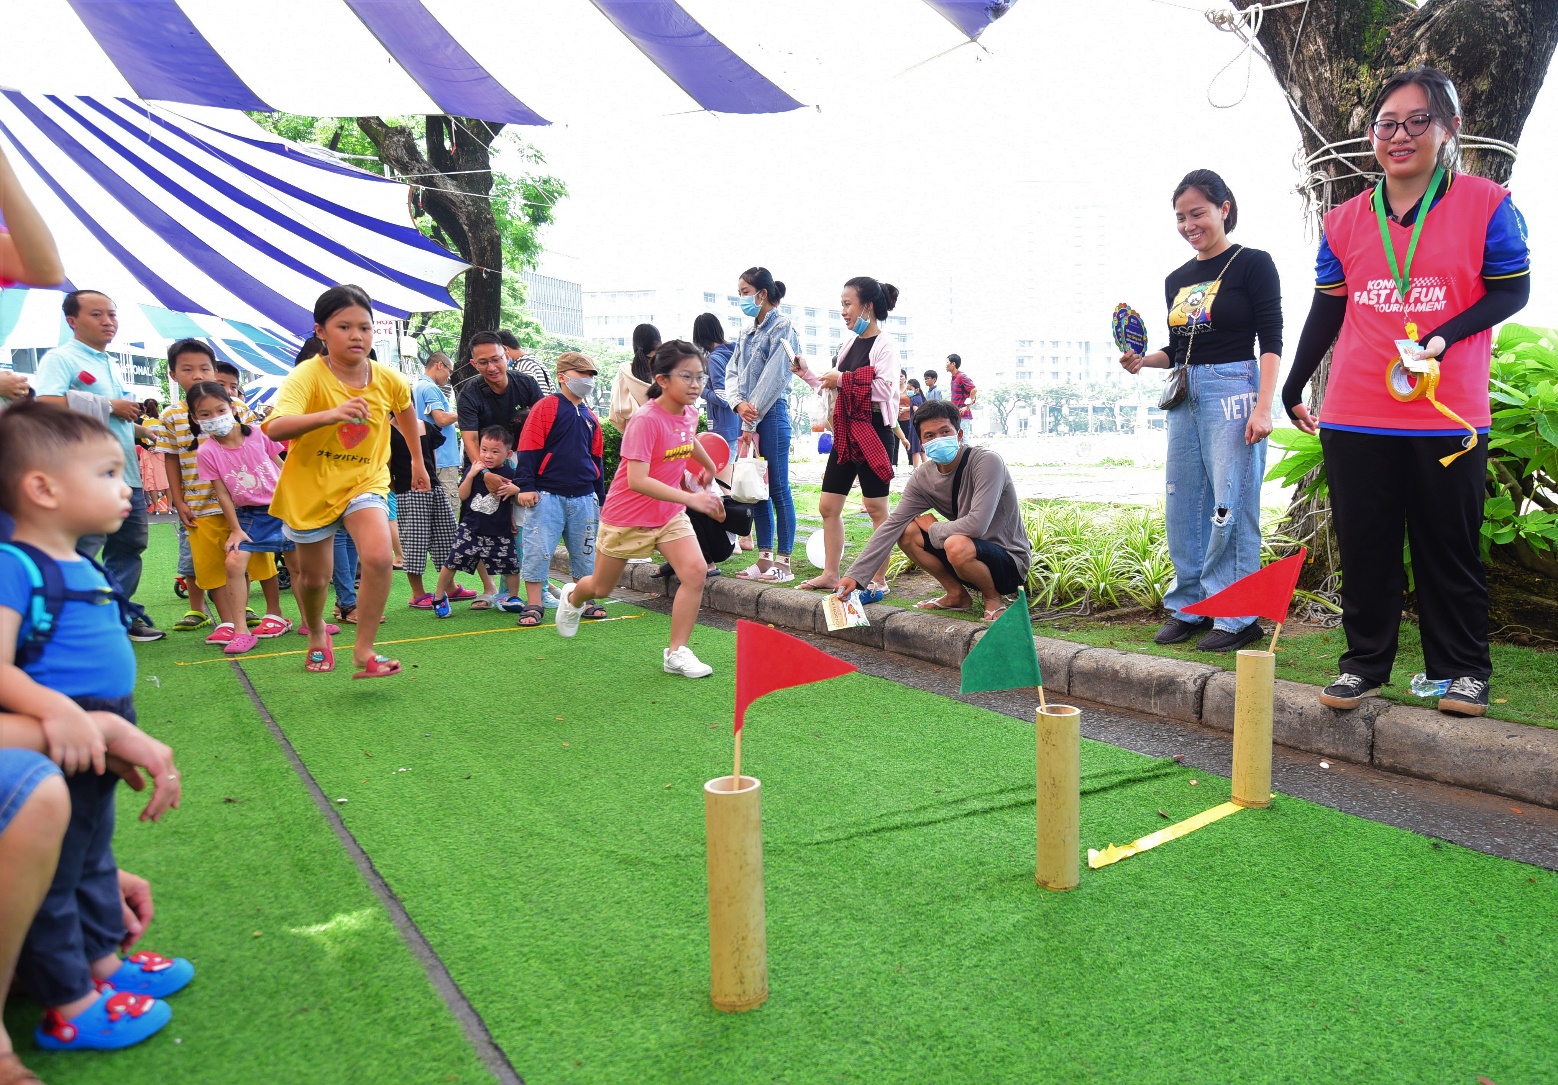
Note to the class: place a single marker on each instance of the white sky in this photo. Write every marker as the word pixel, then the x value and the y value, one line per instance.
pixel 961 179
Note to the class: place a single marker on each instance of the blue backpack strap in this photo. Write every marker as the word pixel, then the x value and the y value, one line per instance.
pixel 126 615
pixel 38 619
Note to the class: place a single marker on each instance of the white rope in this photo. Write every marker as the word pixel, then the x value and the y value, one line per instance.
pixel 1317 183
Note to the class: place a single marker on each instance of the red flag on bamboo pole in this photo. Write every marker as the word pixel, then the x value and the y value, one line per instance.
pixel 1265 593
pixel 768 660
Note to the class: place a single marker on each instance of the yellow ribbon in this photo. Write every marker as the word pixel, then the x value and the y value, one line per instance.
pixel 1114 853
pixel 1406 386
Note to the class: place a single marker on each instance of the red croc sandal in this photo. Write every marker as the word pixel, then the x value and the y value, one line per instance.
pixel 380 667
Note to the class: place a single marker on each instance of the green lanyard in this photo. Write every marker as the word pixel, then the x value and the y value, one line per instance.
pixel 1403 273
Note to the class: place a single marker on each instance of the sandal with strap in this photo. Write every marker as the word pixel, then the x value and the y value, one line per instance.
pixel 593 612
pixel 379 667
pixel 530 616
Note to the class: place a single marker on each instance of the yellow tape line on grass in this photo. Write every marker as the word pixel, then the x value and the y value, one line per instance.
pixel 407 640
pixel 1113 854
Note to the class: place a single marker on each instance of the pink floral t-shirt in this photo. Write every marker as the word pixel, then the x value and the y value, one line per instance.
pixel 248 471
pixel 664 441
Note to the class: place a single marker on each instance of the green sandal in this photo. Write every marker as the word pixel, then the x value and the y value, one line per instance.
pixel 191 621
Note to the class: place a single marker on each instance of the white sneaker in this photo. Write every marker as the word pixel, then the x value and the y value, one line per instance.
pixel 684 663
pixel 567 614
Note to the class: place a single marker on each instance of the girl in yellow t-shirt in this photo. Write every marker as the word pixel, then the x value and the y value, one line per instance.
pixel 335 410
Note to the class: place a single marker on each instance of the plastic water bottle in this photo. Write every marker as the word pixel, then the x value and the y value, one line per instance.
pixel 1422 687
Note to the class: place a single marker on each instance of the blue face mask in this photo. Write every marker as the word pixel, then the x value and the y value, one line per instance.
pixel 860 326
pixel 749 304
pixel 943 450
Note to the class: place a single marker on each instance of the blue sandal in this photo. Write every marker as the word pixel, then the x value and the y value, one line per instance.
pixel 116 1020
pixel 145 973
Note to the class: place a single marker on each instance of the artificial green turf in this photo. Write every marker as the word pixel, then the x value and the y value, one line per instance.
pixel 301 977
pixel 536 803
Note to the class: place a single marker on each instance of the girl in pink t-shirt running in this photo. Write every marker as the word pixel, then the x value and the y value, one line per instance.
pixel 242 465
pixel 646 506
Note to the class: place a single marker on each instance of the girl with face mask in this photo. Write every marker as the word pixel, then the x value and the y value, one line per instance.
pixel 757 384
pixel 243 466
pixel 864 388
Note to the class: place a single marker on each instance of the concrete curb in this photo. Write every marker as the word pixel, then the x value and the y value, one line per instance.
pixel 1510 759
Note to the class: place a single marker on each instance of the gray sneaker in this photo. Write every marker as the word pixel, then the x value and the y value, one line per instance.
pixel 1348 691
pixel 144 632
pixel 568 614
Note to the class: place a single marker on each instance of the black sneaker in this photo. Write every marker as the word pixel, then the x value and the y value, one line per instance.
pixel 144 632
pixel 1176 631
pixel 1221 640
pixel 1465 697
pixel 1348 691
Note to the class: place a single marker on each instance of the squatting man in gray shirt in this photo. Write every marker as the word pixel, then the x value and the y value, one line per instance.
pixel 978 543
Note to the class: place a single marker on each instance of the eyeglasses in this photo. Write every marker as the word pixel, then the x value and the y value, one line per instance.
pixel 1415 125
pixel 697 380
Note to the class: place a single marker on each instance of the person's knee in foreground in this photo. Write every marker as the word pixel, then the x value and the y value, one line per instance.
pixel 486 531
pixel 561 479
pixel 979 543
pixel 645 509
pixel 337 470
pixel 68 675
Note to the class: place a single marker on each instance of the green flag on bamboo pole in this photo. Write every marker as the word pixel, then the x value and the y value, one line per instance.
pixel 1005 657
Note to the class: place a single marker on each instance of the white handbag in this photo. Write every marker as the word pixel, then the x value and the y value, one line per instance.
pixel 749 480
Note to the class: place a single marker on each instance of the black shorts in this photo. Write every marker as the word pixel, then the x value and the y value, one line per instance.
pixel 1003 570
pixel 837 478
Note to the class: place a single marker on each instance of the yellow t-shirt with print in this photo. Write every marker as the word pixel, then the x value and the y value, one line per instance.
pixel 327 467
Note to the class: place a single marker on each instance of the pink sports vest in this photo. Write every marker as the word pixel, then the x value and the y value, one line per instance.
pixel 1446 280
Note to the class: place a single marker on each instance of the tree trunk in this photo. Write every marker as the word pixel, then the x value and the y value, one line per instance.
pixel 1331 57
pixel 455 178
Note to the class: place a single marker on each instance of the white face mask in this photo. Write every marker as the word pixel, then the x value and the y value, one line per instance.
pixel 220 426
pixel 580 386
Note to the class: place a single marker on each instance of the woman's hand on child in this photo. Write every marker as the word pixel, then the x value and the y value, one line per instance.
pixel 135 899
pixel 129 750
pixel 76 742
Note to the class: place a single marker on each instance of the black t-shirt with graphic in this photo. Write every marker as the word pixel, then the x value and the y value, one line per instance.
pixel 482 512
pixel 1225 318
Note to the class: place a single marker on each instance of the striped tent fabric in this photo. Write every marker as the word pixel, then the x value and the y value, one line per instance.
pixel 32 318
pixel 514 61
pixel 208 214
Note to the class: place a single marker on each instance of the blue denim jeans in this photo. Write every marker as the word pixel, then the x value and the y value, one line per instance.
pixel 773 444
pixel 122 551
pixel 1213 492
pixel 81 918
pixel 574 520
pixel 345 575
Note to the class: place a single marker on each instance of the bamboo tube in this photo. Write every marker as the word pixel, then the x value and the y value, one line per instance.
pixel 1059 777
pixel 1254 694
pixel 738 934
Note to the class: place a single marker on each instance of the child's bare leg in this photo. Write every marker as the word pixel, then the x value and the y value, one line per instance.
pixel 445 582
pixel 487 586
pixel 311 570
pixel 197 595
pixel 271 589
pixel 29 851
pixel 602 582
pixel 511 584
pixel 369 529
pixel 686 557
pixel 400 557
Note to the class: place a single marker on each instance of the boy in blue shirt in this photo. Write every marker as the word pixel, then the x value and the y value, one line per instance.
pixel 63 656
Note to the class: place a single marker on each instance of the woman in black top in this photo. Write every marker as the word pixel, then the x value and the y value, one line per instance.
pixel 1219 303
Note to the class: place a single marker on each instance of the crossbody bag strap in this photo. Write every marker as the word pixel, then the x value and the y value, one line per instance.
pixel 1215 282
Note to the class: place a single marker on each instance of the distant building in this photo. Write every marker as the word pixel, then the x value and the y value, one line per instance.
pixel 1057 361
pixel 556 303
pixel 612 315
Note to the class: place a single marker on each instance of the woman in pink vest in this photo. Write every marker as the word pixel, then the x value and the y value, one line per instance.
pixel 1413 273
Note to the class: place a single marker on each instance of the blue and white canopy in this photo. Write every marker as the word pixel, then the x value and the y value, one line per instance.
pixel 32 318
pixel 516 61
pixel 209 214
